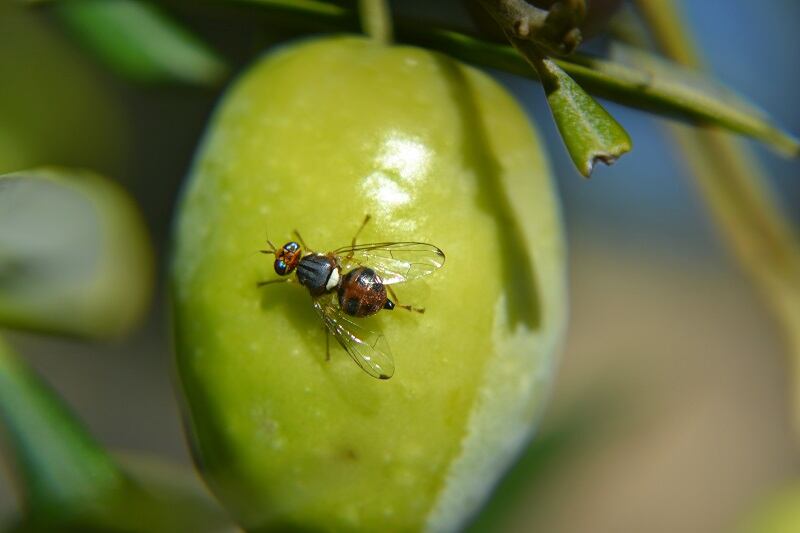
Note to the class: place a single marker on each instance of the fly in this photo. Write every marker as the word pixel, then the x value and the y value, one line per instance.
pixel 353 282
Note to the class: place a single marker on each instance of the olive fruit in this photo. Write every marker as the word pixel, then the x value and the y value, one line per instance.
pixel 315 136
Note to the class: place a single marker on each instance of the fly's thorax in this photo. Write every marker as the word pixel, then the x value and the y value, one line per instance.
pixel 362 292
pixel 334 280
pixel 316 272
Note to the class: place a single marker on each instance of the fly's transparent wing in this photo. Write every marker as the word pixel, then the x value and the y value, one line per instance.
pixel 369 349
pixel 395 262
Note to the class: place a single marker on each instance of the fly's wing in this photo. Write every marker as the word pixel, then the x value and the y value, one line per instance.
pixel 369 349
pixel 395 262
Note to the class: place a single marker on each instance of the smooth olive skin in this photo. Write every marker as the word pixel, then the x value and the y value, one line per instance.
pixel 314 136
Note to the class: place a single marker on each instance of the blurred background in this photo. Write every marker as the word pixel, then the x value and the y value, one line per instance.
pixel 672 361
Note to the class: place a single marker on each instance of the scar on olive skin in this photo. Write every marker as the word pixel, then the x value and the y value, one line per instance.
pixel 349 454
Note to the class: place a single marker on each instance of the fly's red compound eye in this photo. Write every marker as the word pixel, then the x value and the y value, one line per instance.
pixel 281 268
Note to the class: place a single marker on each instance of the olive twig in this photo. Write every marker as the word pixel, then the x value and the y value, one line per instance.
pixel 589 132
pixel 376 19
pixel 555 30
pixel 738 196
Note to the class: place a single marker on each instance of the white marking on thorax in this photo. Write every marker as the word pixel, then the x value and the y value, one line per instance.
pixel 333 280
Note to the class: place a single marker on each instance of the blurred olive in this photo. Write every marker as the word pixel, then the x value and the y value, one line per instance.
pixel 54 107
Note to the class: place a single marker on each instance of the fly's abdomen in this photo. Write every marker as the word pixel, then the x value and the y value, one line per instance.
pixel 362 293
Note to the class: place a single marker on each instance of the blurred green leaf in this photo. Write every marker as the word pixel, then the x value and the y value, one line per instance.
pixel 140 42
pixel 67 482
pixel 696 90
pixel 54 105
pixel 75 258
pixel 589 132
pixel 58 466
pixel 736 191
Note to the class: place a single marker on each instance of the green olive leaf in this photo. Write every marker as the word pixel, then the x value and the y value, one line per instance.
pixel 589 132
pixel 53 104
pixel 68 482
pixel 58 466
pixel 698 92
pixel 141 43
pixel 666 91
pixel 75 257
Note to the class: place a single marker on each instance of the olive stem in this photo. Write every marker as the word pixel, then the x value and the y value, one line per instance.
pixel 376 19
pixel 555 29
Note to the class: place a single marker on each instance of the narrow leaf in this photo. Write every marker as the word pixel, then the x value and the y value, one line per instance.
pixel 697 90
pixel 58 465
pixel 737 192
pixel 75 258
pixel 589 132
pixel 67 482
pixel 653 90
pixel 141 43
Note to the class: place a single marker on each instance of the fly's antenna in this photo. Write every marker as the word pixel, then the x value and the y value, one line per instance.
pixel 272 249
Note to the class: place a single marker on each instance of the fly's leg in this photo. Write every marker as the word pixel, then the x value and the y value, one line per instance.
pixel 360 228
pixel 270 282
pixel 300 238
pixel 327 344
pixel 391 292
pixel 355 237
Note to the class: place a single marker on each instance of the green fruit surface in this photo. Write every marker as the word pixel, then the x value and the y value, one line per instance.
pixel 314 136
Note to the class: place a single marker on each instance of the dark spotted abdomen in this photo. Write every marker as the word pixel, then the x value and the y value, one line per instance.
pixel 362 293
pixel 314 271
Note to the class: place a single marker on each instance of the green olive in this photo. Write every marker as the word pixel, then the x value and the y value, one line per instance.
pixel 313 137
